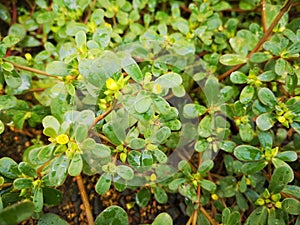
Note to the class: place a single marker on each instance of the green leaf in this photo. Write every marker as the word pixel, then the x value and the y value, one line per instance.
pixel 201 145
pixel 161 135
pixel 80 39
pixel 4 14
pixel 160 156
pixel 296 127
pixel 23 183
pixel 163 219
pixel 205 128
pixel 45 152
pixel 160 195
pixel 51 121
pixel 12 79
pixel 113 215
pixel 258 217
pixel 143 197
pixel 76 165
pixel 147 159
pixel 27 169
pixel 103 184
pixel 265 121
pixel 205 166
pixel 57 68
pixel 208 185
pixel 125 172
pixel 238 77
pixel 169 80
pixel 134 158
pixel 267 76
pixel 2 127
pixel 143 104
pixel 281 66
pixel 52 196
pixel 191 111
pixel 9 168
pixel 50 218
pixel 16 213
pixel 58 170
pixel 291 206
pixel 267 97
pixel 273 47
pixel 50 132
pixel 246 132
pixel 38 199
pixel 294 48
pixel 287 156
pixel 232 59
pixel 102 36
pixel 253 167
pixel 248 153
pixel 280 178
pixel 81 132
pixel 259 57
pixel 17 30
pixel 291 82
pixel 279 163
pixel 292 190
pixel 234 218
pixel 174 184
pixel 7 66
pixel 202 219
pixel 178 91
pixel 74 27
pixel 137 143
pixel 132 68
pixel 247 94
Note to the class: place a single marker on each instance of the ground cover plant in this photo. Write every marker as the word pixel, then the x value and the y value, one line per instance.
pixel 195 98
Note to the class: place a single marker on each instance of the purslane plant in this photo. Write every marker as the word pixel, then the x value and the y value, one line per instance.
pixel 199 98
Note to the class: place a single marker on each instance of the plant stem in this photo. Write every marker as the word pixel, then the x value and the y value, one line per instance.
pixel 102 116
pixel 269 31
pixel 211 220
pixel 85 200
pixel 263 15
pixel 266 35
pixel 18 66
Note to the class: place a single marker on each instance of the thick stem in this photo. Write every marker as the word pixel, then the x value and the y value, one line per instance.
pixel 85 200
pixel 211 220
pixel 18 66
pixel 266 35
pixel 102 116
pixel 263 15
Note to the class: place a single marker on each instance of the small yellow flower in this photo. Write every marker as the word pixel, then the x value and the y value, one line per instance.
pixel 260 202
pixel 153 177
pixel 157 89
pixel 281 119
pixel 112 85
pixel 62 139
pixel 248 181
pixel 215 197
pixel 28 56
pixel 278 205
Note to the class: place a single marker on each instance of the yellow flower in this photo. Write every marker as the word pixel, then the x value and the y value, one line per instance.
pixel 62 139
pixel 215 197
pixel 112 85
pixel 153 177
pixel 28 56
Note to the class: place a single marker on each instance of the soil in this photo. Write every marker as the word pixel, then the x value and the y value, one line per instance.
pixel 13 143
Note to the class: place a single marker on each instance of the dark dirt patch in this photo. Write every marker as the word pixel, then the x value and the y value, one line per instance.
pixel 13 144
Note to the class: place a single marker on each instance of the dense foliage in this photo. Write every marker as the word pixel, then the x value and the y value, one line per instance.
pixel 197 97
